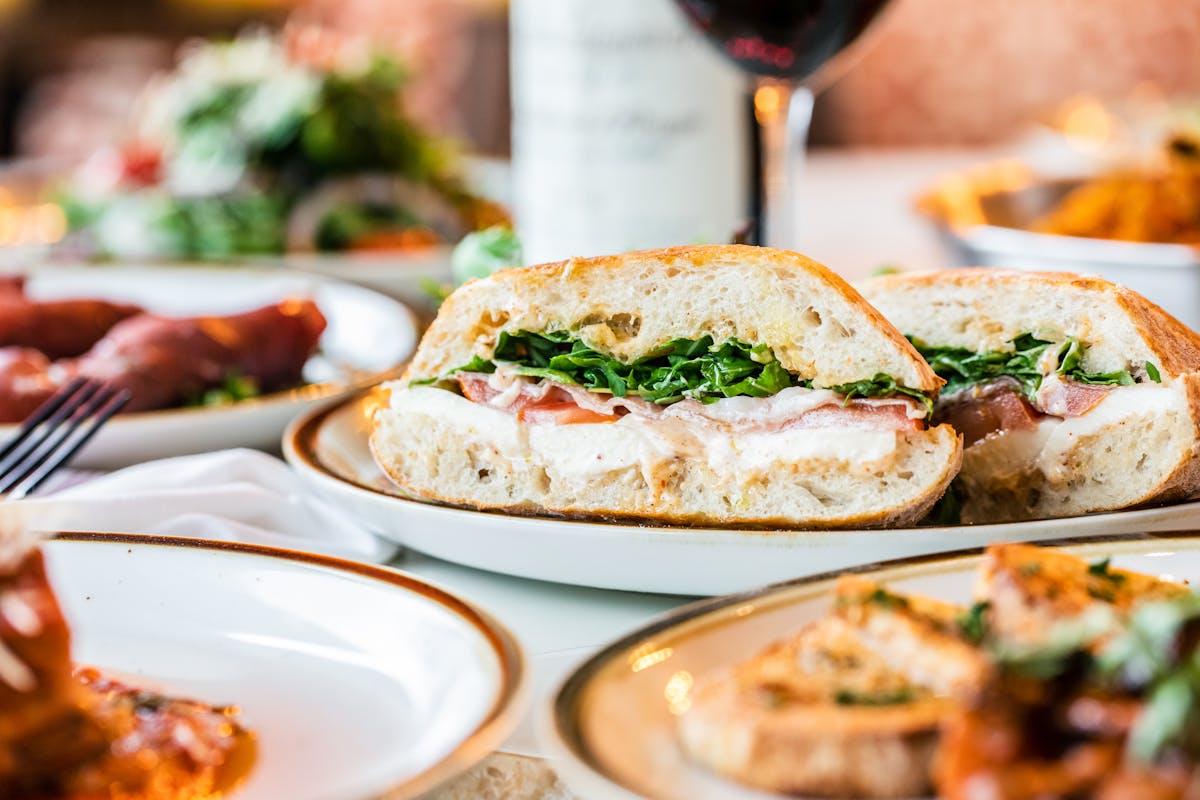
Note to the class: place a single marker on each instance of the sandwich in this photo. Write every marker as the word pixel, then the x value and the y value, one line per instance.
pixel 849 707
pixel 1072 394
pixel 722 385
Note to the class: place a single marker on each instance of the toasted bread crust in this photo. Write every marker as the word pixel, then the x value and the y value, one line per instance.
pixel 628 305
pixel 1172 346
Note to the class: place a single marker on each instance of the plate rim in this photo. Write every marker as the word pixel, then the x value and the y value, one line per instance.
pixel 557 717
pixel 300 450
pixel 310 392
pixel 513 692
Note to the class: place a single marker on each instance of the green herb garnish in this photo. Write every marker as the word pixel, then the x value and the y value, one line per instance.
pixel 882 597
pixel 698 369
pixel 845 697
pixel 973 622
pixel 880 386
pixel 962 368
pixel 1153 373
pixel 1101 569
pixel 481 253
pixel 236 387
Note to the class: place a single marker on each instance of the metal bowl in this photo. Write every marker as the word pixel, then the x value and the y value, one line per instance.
pixel 982 218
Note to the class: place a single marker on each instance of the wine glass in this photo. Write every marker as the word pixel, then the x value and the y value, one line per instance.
pixel 786 45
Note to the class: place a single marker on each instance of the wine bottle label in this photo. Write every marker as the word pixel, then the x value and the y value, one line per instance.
pixel 628 131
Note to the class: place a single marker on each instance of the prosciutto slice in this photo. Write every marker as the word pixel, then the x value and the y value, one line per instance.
pixel 977 415
pixel 1065 398
pixel 998 407
pixel 548 402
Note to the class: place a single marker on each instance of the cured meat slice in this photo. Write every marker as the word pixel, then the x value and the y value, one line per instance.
pixel 977 415
pixel 546 402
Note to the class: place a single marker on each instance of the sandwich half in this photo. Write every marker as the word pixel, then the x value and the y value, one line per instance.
pixel 1072 394
pixel 721 385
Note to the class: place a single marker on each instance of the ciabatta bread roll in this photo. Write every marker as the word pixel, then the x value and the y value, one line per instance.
pixel 698 385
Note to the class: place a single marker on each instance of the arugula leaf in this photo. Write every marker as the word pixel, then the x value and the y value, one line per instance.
pixel 880 386
pixel 682 368
pixel 698 369
pixel 948 509
pixel 476 364
pixel 481 253
pixel 962 368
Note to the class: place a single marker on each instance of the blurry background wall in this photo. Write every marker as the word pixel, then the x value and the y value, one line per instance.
pixel 942 71
pixel 970 71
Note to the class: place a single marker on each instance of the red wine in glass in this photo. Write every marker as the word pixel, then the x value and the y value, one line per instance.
pixel 783 42
pixel 782 38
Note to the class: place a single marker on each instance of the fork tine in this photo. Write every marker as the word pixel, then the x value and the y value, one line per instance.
pixel 48 406
pixel 62 455
pixel 32 435
pixel 54 432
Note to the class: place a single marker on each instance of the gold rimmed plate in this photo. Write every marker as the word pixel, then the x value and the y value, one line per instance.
pixel 328 448
pixel 357 681
pixel 611 725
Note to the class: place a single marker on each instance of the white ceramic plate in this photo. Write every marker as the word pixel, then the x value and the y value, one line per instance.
pixel 397 274
pixel 358 681
pixel 611 725
pixel 328 447
pixel 368 336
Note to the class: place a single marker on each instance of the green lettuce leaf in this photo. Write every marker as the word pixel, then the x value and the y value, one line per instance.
pixel 698 369
pixel 962 368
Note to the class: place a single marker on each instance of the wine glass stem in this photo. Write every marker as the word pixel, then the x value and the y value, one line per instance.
pixel 785 120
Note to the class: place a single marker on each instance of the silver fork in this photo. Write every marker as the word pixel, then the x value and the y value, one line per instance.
pixel 51 435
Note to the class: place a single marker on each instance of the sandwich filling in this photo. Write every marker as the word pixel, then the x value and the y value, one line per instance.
pixel 556 377
pixel 1002 391
pixel 551 399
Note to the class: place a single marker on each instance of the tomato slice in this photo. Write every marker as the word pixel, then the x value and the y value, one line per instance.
pixel 562 414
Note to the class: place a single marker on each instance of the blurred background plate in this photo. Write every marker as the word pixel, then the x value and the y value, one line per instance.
pixel 369 336
pixel 611 725
pixel 408 276
pixel 344 705
pixel 328 447
pixel 986 225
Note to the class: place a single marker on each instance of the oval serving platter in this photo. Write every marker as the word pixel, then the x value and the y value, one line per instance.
pixel 328 448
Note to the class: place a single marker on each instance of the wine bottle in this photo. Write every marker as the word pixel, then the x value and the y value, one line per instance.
pixel 628 132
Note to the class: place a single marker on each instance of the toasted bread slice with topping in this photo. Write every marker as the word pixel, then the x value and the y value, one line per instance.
pixel 1031 590
pixel 847 708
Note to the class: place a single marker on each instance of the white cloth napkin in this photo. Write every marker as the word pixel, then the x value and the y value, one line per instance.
pixel 230 495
